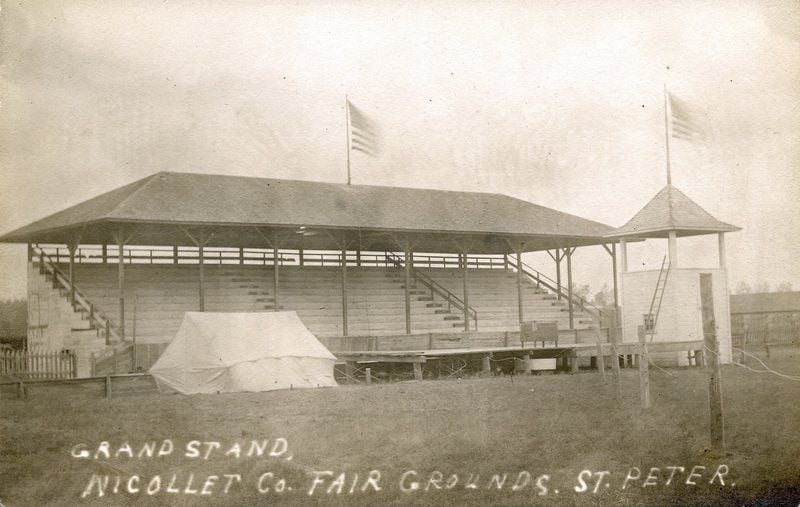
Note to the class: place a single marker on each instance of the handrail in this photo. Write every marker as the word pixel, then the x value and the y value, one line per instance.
pixel 542 279
pixel 96 317
pixel 436 288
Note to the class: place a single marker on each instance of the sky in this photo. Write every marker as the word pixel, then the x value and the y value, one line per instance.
pixel 557 103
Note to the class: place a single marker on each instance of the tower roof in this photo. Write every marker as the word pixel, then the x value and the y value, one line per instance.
pixel 671 210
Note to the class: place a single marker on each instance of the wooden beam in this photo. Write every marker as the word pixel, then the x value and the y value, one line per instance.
pixel 721 242
pixel 673 249
pixel 644 371
pixel 711 345
pixel 407 263
pixel 71 247
pixel 520 301
pixel 344 291
pixel 275 275
pixel 120 239
pixel 558 258
pixel 202 273
pixel 466 292
pixel 570 304
pixel 614 270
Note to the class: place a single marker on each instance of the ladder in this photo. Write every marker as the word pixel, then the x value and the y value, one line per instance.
pixel 658 297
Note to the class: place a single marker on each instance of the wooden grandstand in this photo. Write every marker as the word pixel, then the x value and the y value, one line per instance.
pixel 355 262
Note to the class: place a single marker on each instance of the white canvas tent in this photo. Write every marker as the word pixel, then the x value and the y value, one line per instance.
pixel 230 352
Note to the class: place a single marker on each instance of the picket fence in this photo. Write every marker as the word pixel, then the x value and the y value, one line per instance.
pixel 26 364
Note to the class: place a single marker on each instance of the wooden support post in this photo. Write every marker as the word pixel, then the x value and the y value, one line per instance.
pixel 344 292
pixel 202 273
pixel 350 371
pixel 616 276
pixel 601 362
pixel 71 246
pixel 722 261
pixel 570 304
pixel 300 255
pixel 407 289
pixel 368 376
pixel 520 301
pixel 574 360
pixel 673 249
pixel 466 294
pixel 505 261
pixel 174 254
pixel 644 372
pixel 275 274
pixel 417 370
pixel 108 386
pixel 486 364
pixel 120 286
pixel 525 362
pixel 20 390
pixel 558 273
pixel 711 345
pixel 104 253
pixel 358 257
pixel 613 336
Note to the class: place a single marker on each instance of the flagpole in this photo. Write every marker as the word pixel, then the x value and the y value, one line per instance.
pixel 666 136
pixel 347 113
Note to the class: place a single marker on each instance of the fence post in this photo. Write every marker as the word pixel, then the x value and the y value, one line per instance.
pixel 74 359
pixel 20 390
pixel 108 386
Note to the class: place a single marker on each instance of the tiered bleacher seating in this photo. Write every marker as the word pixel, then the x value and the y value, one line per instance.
pixel 162 293
pixel 493 294
pixel 158 295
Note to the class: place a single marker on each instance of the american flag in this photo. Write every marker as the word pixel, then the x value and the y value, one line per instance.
pixel 364 133
pixel 683 121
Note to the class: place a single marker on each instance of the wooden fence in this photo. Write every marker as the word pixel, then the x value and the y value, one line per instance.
pixel 38 364
pixel 131 358
pixel 772 334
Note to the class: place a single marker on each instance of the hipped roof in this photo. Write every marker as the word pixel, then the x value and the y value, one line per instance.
pixel 152 208
pixel 671 210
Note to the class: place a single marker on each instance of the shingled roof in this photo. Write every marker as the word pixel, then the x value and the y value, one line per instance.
pixel 671 210
pixel 170 198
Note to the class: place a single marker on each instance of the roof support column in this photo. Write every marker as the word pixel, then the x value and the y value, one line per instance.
pixel 120 239
pixel 276 277
pixel 520 301
pixel 723 264
pixel 558 259
pixel 612 251
pixel 344 291
pixel 274 240
pixel 200 240
pixel 408 262
pixel 71 247
pixel 466 292
pixel 570 305
pixel 623 255
pixel 673 249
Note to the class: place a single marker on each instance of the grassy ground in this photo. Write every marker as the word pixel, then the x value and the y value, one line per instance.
pixel 551 427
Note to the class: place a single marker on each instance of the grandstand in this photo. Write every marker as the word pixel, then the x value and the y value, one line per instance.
pixel 352 261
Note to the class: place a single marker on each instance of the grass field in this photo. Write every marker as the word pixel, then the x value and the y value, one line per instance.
pixel 551 436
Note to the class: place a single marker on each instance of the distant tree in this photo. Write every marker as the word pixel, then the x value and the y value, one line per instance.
pixel 761 287
pixel 743 288
pixel 604 298
pixel 784 287
pixel 13 319
pixel 581 290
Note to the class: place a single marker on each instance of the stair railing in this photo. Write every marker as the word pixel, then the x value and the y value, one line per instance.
pixel 540 279
pixel 97 318
pixel 435 288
